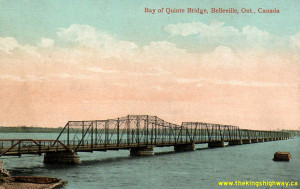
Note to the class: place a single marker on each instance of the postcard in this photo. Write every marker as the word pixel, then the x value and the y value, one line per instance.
pixel 150 94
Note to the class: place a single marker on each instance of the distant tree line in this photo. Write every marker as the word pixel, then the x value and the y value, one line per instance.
pixel 292 132
pixel 25 129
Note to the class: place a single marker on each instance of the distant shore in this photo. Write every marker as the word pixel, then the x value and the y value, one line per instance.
pixel 25 129
pixel 31 129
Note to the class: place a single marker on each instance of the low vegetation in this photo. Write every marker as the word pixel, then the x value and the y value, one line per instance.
pixel 24 129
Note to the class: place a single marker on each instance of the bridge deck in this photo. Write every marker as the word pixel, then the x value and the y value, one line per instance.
pixel 43 146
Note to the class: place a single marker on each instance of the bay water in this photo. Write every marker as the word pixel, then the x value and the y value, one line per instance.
pixel 202 168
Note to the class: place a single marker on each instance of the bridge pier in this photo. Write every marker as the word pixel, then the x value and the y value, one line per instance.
pixel 246 141
pixel 67 158
pixel 184 147
pixel 142 151
pixel 255 140
pixel 266 139
pixel 235 142
pixel 216 144
pixel 261 140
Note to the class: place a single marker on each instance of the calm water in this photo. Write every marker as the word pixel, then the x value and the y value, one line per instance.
pixel 202 168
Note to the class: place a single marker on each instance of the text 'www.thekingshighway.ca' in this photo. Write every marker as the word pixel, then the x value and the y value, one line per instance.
pixel 259 183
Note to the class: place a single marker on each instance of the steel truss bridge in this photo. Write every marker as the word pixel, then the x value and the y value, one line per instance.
pixel 139 134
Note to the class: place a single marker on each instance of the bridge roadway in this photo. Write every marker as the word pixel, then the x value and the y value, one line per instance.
pixel 137 133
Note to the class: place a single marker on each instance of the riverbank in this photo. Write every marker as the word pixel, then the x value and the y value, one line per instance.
pixel 23 182
pixel 21 185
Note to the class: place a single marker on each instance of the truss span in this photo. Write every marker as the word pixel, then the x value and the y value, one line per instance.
pixel 134 131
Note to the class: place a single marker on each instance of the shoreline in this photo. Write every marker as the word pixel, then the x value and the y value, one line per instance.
pixel 12 185
pixel 8 181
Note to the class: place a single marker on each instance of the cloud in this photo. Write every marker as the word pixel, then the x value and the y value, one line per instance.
pixel 161 71
pixel 46 43
pixel 199 85
pixel 150 71
pixel 188 80
pixel 158 88
pixel 217 34
pixel 100 70
pixel 7 44
pixel 295 41
pixel 105 43
pixel 74 76
pixel 162 48
pixel 47 78
pixel 199 82
pixel 252 83
pixel 216 29
pixel 224 55
pixel 11 77
pixel 23 78
pixel 35 78
pixel 164 52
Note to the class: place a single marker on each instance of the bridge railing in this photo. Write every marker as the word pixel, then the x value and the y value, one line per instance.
pixel 19 146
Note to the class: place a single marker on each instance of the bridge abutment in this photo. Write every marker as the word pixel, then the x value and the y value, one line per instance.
pixel 235 142
pixel 216 144
pixel 67 158
pixel 142 151
pixel 184 147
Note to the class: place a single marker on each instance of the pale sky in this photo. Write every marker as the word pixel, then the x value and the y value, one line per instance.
pixel 85 60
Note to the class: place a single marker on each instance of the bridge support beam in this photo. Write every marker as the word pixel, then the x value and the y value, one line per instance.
pixel 235 142
pixel 67 158
pixel 255 140
pixel 216 144
pixel 246 141
pixel 184 147
pixel 261 140
pixel 142 151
